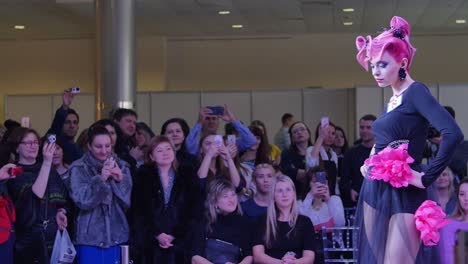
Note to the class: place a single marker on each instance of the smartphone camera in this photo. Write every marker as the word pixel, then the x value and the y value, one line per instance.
pixel 51 138
pixel 75 90
pixel 218 140
pixel 111 162
pixel 325 121
pixel 216 110
pixel 15 171
pixel 321 177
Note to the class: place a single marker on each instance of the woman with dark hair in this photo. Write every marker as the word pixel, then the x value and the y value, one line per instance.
pixel 217 162
pixel 293 160
pixel 224 227
pixel 386 210
pixel 340 145
pixel 258 153
pixel 40 198
pixel 113 129
pixel 275 152
pixel 177 129
pixel 457 222
pixel 164 203
pixel 322 154
pixel 100 186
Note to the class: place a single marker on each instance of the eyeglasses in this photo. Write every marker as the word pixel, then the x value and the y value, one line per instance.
pixel 298 130
pixel 30 143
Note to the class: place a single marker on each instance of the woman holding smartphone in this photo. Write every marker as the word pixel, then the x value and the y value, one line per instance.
pixel 100 186
pixel 39 195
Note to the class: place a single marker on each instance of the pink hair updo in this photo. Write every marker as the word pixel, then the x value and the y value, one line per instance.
pixel 396 41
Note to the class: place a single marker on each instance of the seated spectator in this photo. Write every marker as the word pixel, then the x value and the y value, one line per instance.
pixel 283 136
pixel 322 154
pixel 7 216
pixel 164 201
pixel 322 208
pixel 263 178
pixel 65 126
pixel 209 123
pixel 458 222
pixel 100 186
pixel 293 160
pixel 40 198
pixel 284 236
pixel 177 130
pixel 445 194
pixel 223 228
pixel 275 154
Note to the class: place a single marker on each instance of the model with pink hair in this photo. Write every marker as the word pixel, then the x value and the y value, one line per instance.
pixel 386 210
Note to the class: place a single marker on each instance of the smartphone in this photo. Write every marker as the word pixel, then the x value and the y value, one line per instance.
pixel 324 121
pixel 111 162
pixel 74 90
pixel 51 138
pixel 216 110
pixel 25 121
pixel 321 176
pixel 231 139
pixel 218 140
pixel 15 171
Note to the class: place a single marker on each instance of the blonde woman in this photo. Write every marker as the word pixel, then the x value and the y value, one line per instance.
pixel 223 236
pixel 445 191
pixel 458 222
pixel 284 236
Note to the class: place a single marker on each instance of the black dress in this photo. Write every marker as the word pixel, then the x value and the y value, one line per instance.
pixel 406 124
pixel 301 238
pixel 232 228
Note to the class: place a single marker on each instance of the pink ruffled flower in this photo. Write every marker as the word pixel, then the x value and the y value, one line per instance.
pixel 429 218
pixel 391 165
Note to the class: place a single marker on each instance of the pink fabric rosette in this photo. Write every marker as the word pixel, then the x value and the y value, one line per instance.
pixel 429 218
pixel 391 165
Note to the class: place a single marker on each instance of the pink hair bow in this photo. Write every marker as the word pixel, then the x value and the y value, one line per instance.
pixel 391 165
pixel 363 45
pixel 429 218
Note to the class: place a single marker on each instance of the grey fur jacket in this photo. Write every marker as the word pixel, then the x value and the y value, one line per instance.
pixel 101 219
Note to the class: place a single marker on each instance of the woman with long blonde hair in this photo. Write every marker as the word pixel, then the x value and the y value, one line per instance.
pixel 459 221
pixel 223 236
pixel 287 237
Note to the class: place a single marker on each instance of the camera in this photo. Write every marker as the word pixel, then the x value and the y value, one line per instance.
pixel 51 138
pixel 15 171
pixel 321 177
pixel 110 162
pixel 74 90
pixel 216 110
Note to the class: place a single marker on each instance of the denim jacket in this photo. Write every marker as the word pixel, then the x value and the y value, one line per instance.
pixel 101 220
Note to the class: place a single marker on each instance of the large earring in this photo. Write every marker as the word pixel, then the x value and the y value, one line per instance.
pixel 402 74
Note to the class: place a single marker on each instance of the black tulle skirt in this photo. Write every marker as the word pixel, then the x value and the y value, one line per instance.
pixel 378 202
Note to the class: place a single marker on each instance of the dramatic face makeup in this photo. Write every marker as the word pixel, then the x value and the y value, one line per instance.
pixel 385 70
